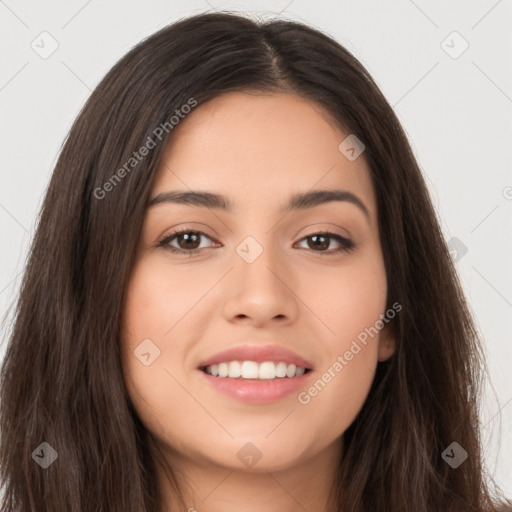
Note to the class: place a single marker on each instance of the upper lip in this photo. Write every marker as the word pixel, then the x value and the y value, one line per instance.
pixel 258 354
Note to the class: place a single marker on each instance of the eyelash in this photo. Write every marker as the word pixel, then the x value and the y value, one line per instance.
pixel 346 244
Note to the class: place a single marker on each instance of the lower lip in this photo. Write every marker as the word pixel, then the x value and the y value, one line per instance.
pixel 258 391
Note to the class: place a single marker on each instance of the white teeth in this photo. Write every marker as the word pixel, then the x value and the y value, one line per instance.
pixel 252 370
pixel 223 369
pixel 290 371
pixel 249 370
pixel 281 369
pixel 267 370
pixel 235 370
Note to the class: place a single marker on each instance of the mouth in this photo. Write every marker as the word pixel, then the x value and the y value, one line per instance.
pixel 255 390
pixel 252 370
pixel 256 374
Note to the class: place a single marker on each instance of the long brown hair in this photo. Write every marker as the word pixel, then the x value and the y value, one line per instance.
pixel 61 380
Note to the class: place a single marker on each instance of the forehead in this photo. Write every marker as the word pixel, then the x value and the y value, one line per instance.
pixel 258 147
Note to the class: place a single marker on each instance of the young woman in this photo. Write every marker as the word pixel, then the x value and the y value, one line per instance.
pixel 239 296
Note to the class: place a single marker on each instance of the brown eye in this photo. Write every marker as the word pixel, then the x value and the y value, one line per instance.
pixel 320 242
pixel 187 241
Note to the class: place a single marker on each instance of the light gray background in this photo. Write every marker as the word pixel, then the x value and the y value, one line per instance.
pixel 456 111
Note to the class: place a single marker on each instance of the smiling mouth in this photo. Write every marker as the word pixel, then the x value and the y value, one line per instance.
pixel 251 370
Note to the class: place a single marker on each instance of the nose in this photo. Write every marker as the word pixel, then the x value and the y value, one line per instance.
pixel 261 292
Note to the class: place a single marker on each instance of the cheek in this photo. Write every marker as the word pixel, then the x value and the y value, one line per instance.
pixel 349 306
pixel 158 299
pixel 347 300
pixel 151 310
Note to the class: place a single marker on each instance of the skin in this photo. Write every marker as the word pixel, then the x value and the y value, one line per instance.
pixel 257 150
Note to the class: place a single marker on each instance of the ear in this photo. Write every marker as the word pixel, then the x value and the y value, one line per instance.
pixel 387 342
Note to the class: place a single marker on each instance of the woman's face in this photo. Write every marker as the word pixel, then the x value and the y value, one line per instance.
pixel 262 276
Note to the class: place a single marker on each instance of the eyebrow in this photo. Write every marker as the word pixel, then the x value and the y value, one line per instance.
pixel 298 201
